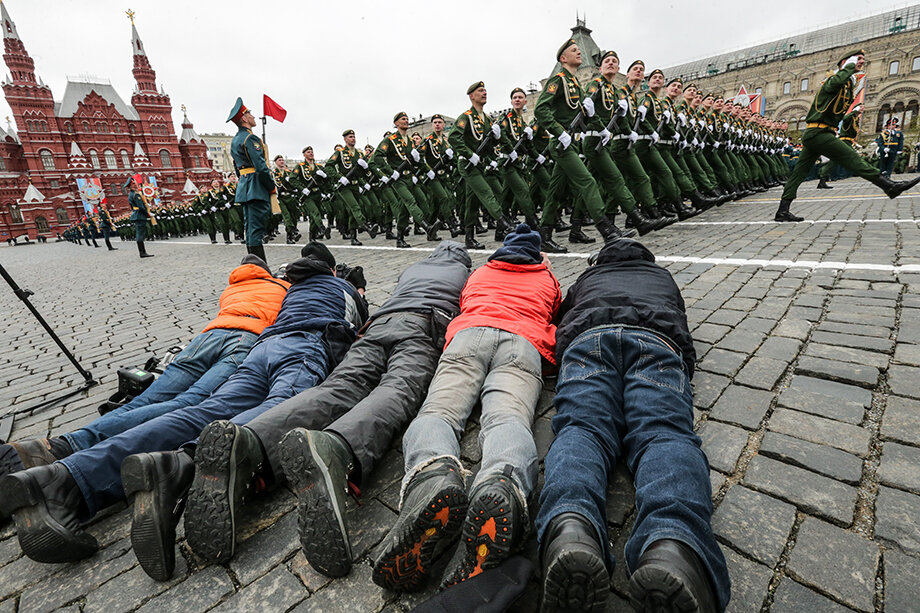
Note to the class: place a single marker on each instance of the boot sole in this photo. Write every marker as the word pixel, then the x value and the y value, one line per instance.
pixel 405 566
pixel 488 536
pixel 655 588
pixel 41 537
pixel 575 580
pixel 323 536
pixel 210 522
pixel 154 547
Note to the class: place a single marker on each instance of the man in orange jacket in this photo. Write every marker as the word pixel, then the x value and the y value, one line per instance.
pixel 247 306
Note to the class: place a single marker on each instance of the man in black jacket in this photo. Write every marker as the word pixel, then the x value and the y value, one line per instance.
pixel 626 358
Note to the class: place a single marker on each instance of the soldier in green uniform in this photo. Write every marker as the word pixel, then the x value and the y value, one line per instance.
pixel 672 141
pixel 255 185
pixel 437 161
pixel 514 136
pixel 288 198
pixel 140 214
pixel 307 181
pixel 830 104
pixel 562 108
pixel 348 169
pixel 849 131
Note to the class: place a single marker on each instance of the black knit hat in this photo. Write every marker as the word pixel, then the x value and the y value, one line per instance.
pixel 316 250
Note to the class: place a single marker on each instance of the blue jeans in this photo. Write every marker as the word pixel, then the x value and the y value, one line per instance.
pixel 624 392
pixel 197 371
pixel 276 369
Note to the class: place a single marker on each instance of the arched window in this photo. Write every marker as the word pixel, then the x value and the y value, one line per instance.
pixel 802 123
pixel 195 162
pixel 110 160
pixel 787 87
pixel 883 114
pixel 85 127
pixel 910 116
pixel 68 127
pixel 893 68
pixel 165 160
pixel 15 214
pixel 915 66
pixel 94 159
pixel 116 128
pixel 804 85
pixel 125 160
pixel 44 126
pixel 131 128
pixel 41 224
pixel 47 159
pixel 2 164
pixel 30 126
pixel 61 214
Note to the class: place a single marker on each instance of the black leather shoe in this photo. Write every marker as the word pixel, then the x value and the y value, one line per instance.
pixel 822 184
pixel 45 503
pixel 783 213
pixel 575 577
pixel 670 578
pixel 157 484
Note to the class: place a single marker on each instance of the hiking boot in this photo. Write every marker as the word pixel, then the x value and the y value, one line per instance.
pixel 671 577
pixel 157 484
pixel 575 577
pixel 429 521
pixel 317 465
pixel 226 462
pixel 45 503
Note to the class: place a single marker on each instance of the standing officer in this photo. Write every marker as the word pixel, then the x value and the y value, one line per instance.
pixel 256 185
pixel 890 143
pixel 140 214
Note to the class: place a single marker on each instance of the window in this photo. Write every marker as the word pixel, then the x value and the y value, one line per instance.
pixel 195 162
pixel 893 68
pixel 165 161
pixel 131 128
pixel 41 224
pixel 85 127
pixel 804 85
pixel 916 64
pixel 15 214
pixel 44 126
pixel 61 215
pixel 787 87
pixel 54 183
pixel 94 158
pixel 47 159
pixel 125 160
pixel 110 160
pixel 116 128
pixel 2 164
pixel 68 127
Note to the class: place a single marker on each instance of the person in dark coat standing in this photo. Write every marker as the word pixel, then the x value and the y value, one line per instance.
pixel 256 184
pixel 140 214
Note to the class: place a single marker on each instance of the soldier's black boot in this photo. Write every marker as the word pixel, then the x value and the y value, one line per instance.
pixel 662 218
pixel 419 229
pixel 686 211
pixel 401 239
pixel 213 237
pixel 480 230
pixel 547 244
pixel 370 228
pixel 46 503
pixel 95 244
pixel 432 232
pixel 258 250
pixel 609 230
pixel 353 235
pixel 671 577
pixel 317 465
pixel 503 227
pixel 640 222
pixel 156 485
pixel 227 460
pixel 226 234
pixel 389 235
pixel 108 244
pixel 561 226
pixel 783 214
pixel 893 189
pixel 430 520
pixel 471 242
pixel 142 250
pixel 701 202
pixel 822 184
pixel 575 577
pixel 576 235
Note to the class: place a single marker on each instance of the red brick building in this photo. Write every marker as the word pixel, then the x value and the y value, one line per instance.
pixel 90 133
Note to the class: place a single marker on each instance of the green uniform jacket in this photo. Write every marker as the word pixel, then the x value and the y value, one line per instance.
pixel 392 154
pixel 833 99
pixel 433 154
pixel 248 151
pixel 849 128
pixel 559 103
pixel 605 99
pixel 467 134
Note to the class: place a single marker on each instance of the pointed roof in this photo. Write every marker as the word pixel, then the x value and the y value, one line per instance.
pixel 189 187
pixel 136 43
pixel 140 158
pixel 77 91
pixel 9 28
pixel 188 130
pixel 75 150
pixel 33 195
pixel 77 160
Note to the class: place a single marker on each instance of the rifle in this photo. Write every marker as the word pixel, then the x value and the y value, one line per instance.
pixel 517 146
pixel 546 157
pixel 634 128
pixel 486 139
pixel 658 128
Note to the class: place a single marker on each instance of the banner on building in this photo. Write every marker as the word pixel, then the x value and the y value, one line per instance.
pixel 92 194
pixel 753 101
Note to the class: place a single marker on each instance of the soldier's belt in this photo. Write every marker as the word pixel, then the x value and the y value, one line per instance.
pixel 247 171
pixel 821 125
pixel 847 139
pixel 667 142
pixel 645 137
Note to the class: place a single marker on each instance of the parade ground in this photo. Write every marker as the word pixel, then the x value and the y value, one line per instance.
pixel 807 395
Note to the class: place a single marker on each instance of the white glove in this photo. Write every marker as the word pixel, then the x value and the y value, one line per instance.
pixel 474 160
pixel 493 164
pixel 227 206
pixel 540 159
pixel 565 139
pixel 414 179
pixel 305 191
pixel 449 153
pixel 588 105
pixel 496 130
pixel 367 187
pixel 321 173
pixel 886 150
pixel 385 179
pixel 851 60
pixel 667 115
pixel 655 137
pixel 430 175
pixel 360 189
pixel 633 137
pixel 695 142
pixel 702 145
pixel 362 163
pixel 683 119
pixel 529 132
pixel 415 155
pixel 642 110
pixel 213 209
pixel 730 145
pixel 344 181
pixel 513 155
pixel 605 136
pixel 395 175
pixel 716 144
pixel 693 121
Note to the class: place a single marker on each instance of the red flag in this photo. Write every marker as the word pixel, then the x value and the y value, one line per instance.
pixel 272 109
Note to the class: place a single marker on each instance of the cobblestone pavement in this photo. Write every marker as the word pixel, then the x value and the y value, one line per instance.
pixel 807 396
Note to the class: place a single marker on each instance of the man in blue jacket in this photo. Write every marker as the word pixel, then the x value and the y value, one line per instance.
pixel 626 358
pixel 256 184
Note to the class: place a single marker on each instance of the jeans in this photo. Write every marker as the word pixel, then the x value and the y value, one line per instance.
pixel 503 371
pixel 276 369
pixel 197 371
pixel 623 392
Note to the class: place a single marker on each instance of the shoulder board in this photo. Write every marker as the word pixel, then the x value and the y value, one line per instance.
pixel 468 112
pixel 560 74
pixel 392 137
pixel 510 114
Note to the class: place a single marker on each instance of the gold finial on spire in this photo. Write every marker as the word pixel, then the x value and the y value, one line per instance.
pixel 129 13
pixel 181 107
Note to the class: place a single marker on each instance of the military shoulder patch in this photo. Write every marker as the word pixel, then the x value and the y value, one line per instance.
pixel 257 145
pixel 551 88
pixel 383 146
pixel 461 123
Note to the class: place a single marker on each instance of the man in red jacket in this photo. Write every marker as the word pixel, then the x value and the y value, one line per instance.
pixel 496 349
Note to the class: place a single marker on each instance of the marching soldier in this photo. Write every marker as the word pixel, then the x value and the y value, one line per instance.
pixel 256 185
pixel 347 167
pixel 288 199
pixel 107 226
pixel 437 159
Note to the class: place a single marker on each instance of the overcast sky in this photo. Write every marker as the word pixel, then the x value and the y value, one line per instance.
pixel 335 65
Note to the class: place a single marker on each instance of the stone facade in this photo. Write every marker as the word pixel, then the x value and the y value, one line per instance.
pixel 219 151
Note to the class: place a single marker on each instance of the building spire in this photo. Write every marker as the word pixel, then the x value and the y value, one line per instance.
pixel 9 28
pixel 145 76
pixel 21 66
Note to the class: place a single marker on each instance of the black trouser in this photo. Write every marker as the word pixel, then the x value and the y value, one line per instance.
pixel 369 398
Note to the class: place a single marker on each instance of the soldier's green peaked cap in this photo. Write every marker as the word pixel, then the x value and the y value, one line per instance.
pixel 237 111
pixel 474 87
pixel 653 73
pixel 848 55
pixel 634 63
pixel 516 90
pixel 398 115
pixel 676 80
pixel 607 54
pixel 347 132
pixel 565 46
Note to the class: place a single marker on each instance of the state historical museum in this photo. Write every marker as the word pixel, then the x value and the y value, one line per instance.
pixel 92 135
